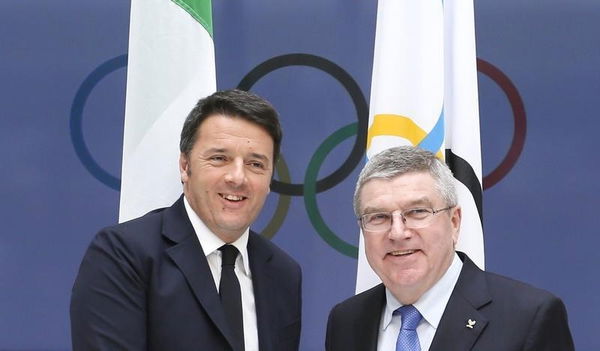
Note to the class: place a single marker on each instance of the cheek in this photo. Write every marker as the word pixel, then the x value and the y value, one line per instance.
pixel 262 185
pixel 441 244
pixel 373 251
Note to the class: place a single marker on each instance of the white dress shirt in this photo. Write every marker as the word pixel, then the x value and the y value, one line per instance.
pixel 210 245
pixel 431 306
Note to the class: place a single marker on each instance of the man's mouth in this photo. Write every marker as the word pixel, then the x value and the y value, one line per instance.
pixel 231 197
pixel 402 252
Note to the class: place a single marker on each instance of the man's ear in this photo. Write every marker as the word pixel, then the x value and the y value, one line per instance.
pixel 184 167
pixel 455 222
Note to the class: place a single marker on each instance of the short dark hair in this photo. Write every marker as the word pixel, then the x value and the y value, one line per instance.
pixel 232 103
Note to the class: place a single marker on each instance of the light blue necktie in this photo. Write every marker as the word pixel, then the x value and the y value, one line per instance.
pixel 408 340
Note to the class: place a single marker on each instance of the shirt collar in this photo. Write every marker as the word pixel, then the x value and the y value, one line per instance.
pixel 211 243
pixel 433 303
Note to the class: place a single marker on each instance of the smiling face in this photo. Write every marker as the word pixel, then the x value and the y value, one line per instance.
pixel 409 261
pixel 227 173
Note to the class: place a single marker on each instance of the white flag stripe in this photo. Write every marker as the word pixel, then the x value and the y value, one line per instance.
pixel 420 65
pixel 171 65
pixel 365 276
pixel 461 105
pixel 470 239
pixel 424 70
pixel 461 109
pixel 383 142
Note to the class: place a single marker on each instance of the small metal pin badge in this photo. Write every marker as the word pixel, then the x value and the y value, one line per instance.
pixel 470 323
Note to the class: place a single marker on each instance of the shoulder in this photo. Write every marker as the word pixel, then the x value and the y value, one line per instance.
pixel 152 219
pixel 356 320
pixel 126 251
pixel 499 287
pixel 139 232
pixel 501 283
pixel 520 311
pixel 505 294
pixel 141 240
pixel 362 303
pixel 353 324
pixel 505 287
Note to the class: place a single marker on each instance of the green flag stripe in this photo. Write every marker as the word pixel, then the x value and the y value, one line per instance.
pixel 201 10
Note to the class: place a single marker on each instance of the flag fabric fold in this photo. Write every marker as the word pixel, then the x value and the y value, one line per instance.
pixel 171 64
pixel 424 93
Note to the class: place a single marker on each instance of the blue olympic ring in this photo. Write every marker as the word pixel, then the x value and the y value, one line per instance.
pixel 81 97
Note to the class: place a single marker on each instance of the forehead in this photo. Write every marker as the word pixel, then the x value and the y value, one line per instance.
pixel 224 128
pixel 415 188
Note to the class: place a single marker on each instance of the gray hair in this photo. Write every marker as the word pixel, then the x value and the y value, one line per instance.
pixel 397 161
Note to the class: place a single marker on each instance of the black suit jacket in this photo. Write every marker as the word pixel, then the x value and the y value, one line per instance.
pixel 146 285
pixel 509 315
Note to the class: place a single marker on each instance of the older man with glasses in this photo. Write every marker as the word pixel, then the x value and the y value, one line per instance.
pixel 433 297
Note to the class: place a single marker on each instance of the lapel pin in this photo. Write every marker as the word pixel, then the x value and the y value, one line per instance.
pixel 470 323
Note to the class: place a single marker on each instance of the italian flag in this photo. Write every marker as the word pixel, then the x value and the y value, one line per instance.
pixel 171 65
pixel 424 93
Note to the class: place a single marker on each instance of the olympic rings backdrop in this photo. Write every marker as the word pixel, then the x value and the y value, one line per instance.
pixel 62 88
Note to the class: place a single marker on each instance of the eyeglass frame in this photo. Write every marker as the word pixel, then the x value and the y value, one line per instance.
pixel 432 212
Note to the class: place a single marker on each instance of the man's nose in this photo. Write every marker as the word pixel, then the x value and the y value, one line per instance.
pixel 236 173
pixel 398 229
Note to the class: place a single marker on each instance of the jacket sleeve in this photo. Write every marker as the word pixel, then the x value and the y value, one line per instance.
pixel 330 336
pixel 550 328
pixel 108 303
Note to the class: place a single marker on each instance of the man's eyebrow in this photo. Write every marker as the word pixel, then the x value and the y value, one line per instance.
pixel 420 201
pixel 371 209
pixel 215 150
pixel 259 156
pixel 222 150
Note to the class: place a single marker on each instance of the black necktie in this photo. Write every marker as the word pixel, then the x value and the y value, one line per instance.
pixel 231 297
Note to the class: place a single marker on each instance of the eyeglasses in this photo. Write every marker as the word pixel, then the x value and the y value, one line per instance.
pixel 413 218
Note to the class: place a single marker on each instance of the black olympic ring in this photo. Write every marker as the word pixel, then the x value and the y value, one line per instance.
pixel 356 155
pixel 360 104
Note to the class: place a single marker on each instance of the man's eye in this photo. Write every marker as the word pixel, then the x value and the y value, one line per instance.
pixel 218 158
pixel 258 165
pixel 378 218
pixel 417 213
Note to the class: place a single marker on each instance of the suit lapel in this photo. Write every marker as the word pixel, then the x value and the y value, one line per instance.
pixel 462 323
pixel 189 258
pixel 263 284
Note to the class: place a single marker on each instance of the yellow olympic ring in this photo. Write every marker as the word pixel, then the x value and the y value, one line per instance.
pixel 397 125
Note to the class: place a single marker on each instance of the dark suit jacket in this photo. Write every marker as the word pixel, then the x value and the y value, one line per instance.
pixel 146 285
pixel 509 315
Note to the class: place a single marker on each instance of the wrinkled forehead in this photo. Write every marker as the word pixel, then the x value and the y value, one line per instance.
pixel 412 187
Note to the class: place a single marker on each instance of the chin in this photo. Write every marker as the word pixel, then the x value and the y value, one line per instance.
pixel 406 278
pixel 233 220
pixel 234 227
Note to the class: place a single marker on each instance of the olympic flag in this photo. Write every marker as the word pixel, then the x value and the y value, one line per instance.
pixel 171 65
pixel 424 93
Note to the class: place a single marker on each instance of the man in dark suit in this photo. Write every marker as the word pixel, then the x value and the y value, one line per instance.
pixel 432 297
pixel 157 282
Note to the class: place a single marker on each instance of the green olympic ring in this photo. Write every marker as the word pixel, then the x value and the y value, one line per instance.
pixel 310 190
pixel 283 204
